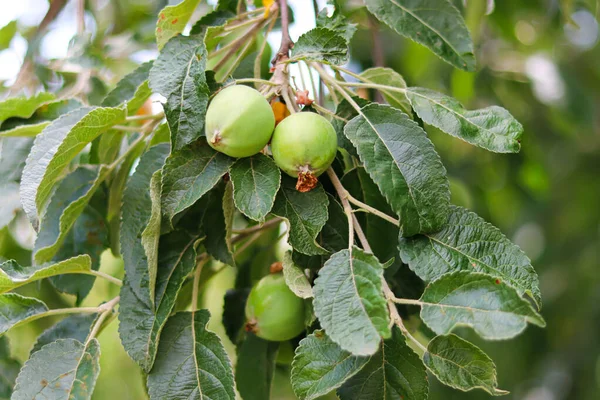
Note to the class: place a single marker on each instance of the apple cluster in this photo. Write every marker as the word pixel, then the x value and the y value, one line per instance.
pixel 240 123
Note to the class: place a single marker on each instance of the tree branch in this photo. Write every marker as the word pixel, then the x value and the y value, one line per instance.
pixel 286 42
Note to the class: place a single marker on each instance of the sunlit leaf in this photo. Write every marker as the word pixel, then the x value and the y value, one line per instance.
pixel 13 275
pixel 55 147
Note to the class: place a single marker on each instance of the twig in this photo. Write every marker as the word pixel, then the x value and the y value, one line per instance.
pixel 410 302
pixel 286 42
pixel 355 227
pixel 240 56
pixel 105 309
pixel 259 56
pixel 256 80
pixel 400 324
pixel 144 117
pixel 335 84
pixel 312 84
pixel 321 86
pixel 103 275
pixel 80 17
pixel 234 46
pixel 372 210
pixel 327 111
pixel 246 244
pixel 257 228
pixel 126 128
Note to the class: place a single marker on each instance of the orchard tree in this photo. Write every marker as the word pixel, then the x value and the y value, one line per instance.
pixel 240 156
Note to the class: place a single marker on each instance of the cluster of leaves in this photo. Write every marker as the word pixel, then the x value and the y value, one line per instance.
pixel 186 206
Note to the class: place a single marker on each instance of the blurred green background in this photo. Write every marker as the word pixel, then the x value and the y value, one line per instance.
pixel 540 59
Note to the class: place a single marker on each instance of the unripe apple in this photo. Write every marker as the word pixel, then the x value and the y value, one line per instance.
pixel 273 311
pixel 239 121
pixel 304 146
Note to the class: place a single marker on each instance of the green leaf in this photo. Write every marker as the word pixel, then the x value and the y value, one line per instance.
pixel 117 187
pixel 25 130
pixel 89 235
pixel 234 316
pixel 136 213
pixel 321 45
pixel 349 301
pixel 16 310
pixel 468 243
pixel 389 77
pixel 256 181
pixel 321 366
pixel 190 173
pixel 401 160
pixel 333 237
pixel 394 372
pixel 306 214
pixel 65 369
pixel 436 24
pixel 493 309
pixel 491 128
pixel 43 115
pixel 172 20
pixel 141 319
pixel 23 107
pixel 12 275
pixel 55 147
pixel 255 367
pixel 151 232
pixel 191 361
pixel 11 202
pixel 217 206
pixel 295 277
pixel 178 74
pixel 13 152
pixel 9 369
pixel 132 89
pixel 75 326
pixel 66 205
pixel 337 23
pixel 7 32
pixel 461 365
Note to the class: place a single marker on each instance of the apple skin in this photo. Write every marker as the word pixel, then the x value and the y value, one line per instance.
pixel 304 142
pixel 273 311
pixel 239 121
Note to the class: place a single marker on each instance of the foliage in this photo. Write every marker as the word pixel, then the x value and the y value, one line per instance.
pixel 151 189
